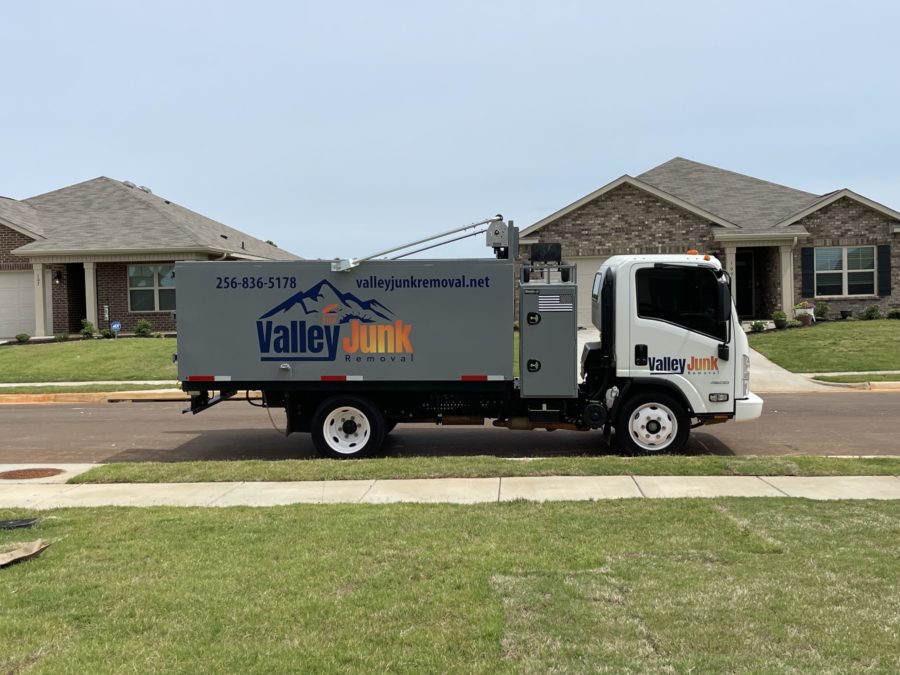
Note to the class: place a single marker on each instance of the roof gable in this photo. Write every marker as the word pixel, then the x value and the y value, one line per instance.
pixel 107 215
pixel 639 184
pixel 21 217
pixel 831 198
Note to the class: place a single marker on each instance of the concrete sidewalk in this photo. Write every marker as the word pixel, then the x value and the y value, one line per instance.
pixel 37 495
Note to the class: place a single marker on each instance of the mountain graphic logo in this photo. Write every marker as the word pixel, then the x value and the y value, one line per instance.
pixel 325 299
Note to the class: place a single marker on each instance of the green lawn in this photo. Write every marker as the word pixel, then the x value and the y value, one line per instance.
pixel 82 388
pixel 482 467
pixel 125 359
pixel 727 585
pixel 835 346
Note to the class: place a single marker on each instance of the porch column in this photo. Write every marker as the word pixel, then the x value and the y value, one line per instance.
pixel 731 268
pixel 90 292
pixel 787 278
pixel 40 310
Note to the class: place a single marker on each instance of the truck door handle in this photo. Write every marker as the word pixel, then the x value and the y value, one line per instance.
pixel 533 318
pixel 640 355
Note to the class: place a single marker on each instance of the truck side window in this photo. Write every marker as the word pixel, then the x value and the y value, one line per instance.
pixel 595 291
pixel 686 297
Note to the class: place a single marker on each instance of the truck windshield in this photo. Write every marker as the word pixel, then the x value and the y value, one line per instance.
pixel 684 296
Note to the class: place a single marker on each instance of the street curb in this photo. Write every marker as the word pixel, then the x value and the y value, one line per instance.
pixel 160 395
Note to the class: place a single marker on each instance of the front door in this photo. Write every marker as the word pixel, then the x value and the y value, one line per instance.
pixel 745 284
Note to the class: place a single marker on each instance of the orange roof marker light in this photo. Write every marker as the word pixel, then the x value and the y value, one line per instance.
pixel 693 251
pixel 706 257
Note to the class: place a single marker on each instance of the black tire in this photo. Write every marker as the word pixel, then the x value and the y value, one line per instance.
pixel 347 427
pixel 643 415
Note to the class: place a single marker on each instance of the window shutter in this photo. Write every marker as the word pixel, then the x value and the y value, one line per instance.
pixel 807 272
pixel 884 270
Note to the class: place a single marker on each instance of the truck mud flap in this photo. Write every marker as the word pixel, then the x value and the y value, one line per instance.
pixel 204 402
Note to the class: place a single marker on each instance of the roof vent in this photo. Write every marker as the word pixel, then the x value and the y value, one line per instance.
pixel 128 183
pixel 144 188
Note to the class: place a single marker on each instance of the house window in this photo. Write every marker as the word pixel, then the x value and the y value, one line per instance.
pixel 845 270
pixel 151 288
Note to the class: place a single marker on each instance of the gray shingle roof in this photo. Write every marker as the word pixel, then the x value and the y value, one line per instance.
pixel 21 214
pixel 107 215
pixel 747 202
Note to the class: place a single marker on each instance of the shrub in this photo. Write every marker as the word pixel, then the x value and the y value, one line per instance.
pixel 61 337
pixel 107 333
pixel 793 323
pixel 822 310
pixel 893 314
pixel 87 329
pixel 871 312
pixel 22 338
pixel 778 315
pixel 758 326
pixel 143 328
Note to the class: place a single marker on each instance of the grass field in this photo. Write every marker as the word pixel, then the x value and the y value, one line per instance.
pixel 835 346
pixel 125 359
pixel 749 585
pixel 483 467
pixel 81 388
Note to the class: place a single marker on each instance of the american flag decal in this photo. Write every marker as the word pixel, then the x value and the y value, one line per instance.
pixel 556 303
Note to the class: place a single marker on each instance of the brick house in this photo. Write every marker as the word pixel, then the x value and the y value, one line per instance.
pixel 104 250
pixel 780 245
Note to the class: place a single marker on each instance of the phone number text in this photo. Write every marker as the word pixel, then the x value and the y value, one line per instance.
pixel 231 283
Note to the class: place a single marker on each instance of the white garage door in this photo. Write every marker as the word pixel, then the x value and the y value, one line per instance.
pixel 587 268
pixel 16 303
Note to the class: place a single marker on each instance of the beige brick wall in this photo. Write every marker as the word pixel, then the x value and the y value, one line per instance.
pixel 628 220
pixel 9 240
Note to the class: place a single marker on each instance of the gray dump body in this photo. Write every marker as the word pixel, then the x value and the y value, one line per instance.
pixel 416 321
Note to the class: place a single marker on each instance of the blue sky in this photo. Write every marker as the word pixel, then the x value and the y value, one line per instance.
pixel 340 128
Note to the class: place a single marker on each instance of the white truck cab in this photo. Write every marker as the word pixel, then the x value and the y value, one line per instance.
pixel 670 332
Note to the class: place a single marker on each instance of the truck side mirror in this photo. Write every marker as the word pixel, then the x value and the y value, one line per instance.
pixel 723 312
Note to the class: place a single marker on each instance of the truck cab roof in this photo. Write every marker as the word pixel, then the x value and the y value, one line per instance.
pixel 671 258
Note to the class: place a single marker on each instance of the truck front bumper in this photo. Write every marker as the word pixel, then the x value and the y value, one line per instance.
pixel 748 408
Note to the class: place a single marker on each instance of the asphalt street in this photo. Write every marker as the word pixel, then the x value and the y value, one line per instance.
pixel 840 423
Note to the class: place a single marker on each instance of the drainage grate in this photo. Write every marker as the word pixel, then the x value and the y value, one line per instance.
pixel 24 474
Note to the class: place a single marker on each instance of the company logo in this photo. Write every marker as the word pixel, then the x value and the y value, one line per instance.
pixel 329 321
pixel 673 365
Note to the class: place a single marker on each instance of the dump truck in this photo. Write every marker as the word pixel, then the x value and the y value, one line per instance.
pixel 350 348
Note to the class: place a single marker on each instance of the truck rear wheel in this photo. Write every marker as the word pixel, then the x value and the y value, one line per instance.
pixel 652 423
pixel 347 427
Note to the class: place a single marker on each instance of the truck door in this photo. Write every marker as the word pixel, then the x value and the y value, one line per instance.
pixel 675 334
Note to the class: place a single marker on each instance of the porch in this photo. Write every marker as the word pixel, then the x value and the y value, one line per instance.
pixel 762 273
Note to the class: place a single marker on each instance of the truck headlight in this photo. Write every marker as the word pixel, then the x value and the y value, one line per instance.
pixel 745 380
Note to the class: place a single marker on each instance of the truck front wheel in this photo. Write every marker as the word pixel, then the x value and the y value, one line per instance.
pixel 652 423
pixel 347 427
